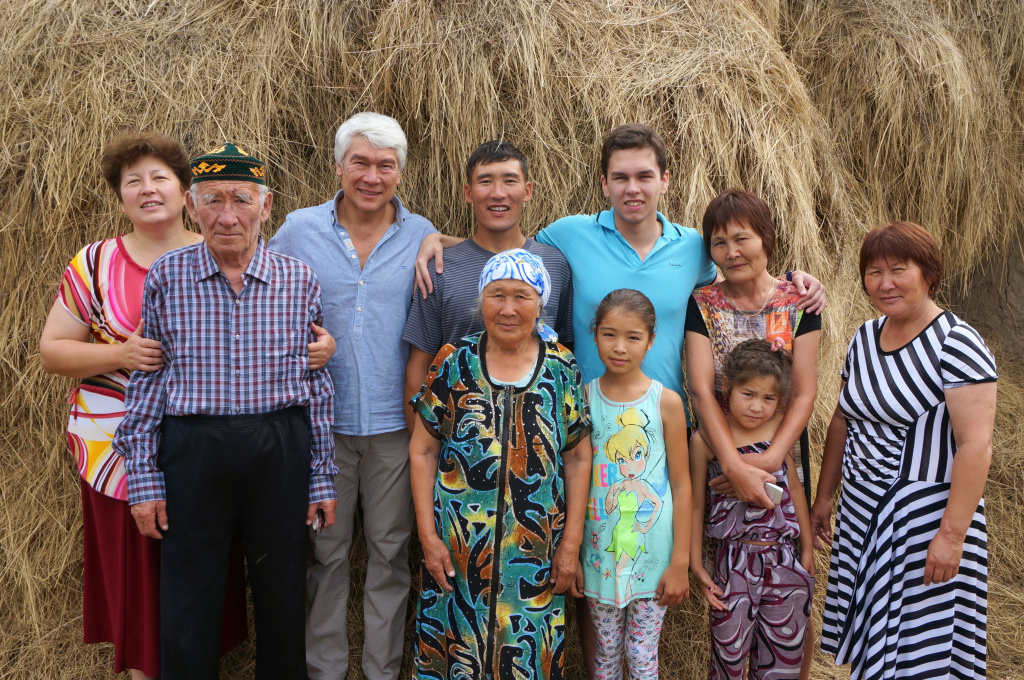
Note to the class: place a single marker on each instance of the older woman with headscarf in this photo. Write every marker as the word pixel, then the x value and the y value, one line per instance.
pixel 500 463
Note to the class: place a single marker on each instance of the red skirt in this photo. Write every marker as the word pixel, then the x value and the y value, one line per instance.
pixel 121 586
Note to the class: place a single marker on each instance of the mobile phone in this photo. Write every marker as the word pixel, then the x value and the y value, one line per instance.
pixel 774 492
pixel 318 521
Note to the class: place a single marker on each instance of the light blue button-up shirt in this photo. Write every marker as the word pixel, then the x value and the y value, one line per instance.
pixel 364 309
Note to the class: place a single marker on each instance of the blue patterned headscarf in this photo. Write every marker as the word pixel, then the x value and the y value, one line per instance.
pixel 521 265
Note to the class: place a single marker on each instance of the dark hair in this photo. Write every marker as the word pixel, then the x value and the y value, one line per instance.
pixel 753 359
pixel 628 300
pixel 129 147
pixel 736 205
pixel 495 151
pixel 903 242
pixel 634 136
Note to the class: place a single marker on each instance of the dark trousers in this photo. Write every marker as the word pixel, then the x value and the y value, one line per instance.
pixel 250 473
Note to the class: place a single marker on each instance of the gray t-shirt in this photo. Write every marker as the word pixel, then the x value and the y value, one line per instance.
pixel 449 313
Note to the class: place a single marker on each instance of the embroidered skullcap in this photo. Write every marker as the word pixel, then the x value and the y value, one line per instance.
pixel 228 162
pixel 521 265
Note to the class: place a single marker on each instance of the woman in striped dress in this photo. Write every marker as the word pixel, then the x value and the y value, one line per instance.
pixel 911 441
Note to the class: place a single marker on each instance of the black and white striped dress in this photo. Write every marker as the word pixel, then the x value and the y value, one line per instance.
pixel 897 467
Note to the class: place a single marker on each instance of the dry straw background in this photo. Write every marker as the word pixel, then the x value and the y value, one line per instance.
pixel 841 114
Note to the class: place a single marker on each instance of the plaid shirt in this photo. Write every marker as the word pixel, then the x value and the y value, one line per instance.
pixel 226 354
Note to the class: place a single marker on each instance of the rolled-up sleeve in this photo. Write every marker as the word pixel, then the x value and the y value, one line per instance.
pixel 320 414
pixel 137 439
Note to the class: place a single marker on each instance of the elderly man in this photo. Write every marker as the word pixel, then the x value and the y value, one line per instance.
pixel 233 433
pixel 361 244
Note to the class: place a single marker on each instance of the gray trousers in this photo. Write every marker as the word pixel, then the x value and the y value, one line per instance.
pixel 374 469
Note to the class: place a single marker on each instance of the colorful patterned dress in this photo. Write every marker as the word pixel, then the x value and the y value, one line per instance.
pixel 101 289
pixel 499 506
pixel 712 314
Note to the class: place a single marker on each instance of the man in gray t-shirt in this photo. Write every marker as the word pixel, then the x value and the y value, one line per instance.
pixel 498 188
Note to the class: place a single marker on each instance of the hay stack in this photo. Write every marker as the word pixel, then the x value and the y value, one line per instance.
pixel 840 115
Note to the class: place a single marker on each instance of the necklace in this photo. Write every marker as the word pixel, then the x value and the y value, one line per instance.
pixel 771 290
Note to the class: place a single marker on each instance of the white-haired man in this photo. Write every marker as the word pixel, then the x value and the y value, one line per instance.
pixel 234 432
pixel 362 244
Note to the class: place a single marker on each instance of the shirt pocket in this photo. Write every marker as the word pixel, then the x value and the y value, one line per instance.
pixel 283 356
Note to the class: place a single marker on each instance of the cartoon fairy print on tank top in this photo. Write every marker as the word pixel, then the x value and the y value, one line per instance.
pixel 628 530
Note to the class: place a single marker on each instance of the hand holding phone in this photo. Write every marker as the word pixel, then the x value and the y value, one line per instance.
pixel 318 521
pixel 774 492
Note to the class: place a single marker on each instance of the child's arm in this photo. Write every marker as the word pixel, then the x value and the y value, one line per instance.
pixel 675 582
pixel 700 456
pixel 803 516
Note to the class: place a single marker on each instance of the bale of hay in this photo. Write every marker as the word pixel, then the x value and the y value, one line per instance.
pixel 840 115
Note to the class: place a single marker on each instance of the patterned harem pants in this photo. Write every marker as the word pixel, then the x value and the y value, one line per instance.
pixel 768 594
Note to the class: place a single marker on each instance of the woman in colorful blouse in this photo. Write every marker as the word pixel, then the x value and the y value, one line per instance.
pixel 92 333
pixel 500 463
pixel 749 303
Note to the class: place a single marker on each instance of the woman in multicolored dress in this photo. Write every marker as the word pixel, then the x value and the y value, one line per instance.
pixel 92 333
pixel 749 303
pixel 500 464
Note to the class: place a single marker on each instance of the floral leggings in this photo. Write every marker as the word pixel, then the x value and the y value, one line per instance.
pixel 635 629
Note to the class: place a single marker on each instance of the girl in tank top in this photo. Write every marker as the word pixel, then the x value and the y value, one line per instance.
pixel 636 548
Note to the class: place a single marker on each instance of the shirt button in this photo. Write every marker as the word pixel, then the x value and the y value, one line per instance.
pixel 238 373
pixel 237 301
pixel 236 336
pixel 353 257
pixel 361 283
pixel 359 309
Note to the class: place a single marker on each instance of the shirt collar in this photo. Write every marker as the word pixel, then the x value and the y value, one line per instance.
pixel 606 219
pixel 401 214
pixel 258 267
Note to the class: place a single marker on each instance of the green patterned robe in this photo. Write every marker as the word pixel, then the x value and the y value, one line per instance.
pixel 499 506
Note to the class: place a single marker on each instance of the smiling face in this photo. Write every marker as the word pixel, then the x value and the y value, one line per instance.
pixel 229 216
pixel 151 193
pixel 753 402
pixel 622 341
pixel 369 176
pixel 498 193
pixel 633 184
pixel 897 289
pixel 510 309
pixel 739 252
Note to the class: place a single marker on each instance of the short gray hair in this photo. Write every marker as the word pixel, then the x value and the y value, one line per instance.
pixel 382 132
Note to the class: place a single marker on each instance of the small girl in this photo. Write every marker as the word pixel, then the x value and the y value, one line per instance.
pixel 637 533
pixel 760 594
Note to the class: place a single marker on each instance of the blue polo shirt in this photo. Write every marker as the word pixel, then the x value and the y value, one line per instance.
pixel 364 309
pixel 602 261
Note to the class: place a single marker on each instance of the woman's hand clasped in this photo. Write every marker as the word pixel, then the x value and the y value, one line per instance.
pixel 141 354
pixel 944 554
pixel 563 570
pixel 821 521
pixel 438 562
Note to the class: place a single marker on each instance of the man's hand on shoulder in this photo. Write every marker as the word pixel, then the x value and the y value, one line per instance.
pixel 431 248
pixel 811 290
pixel 151 517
